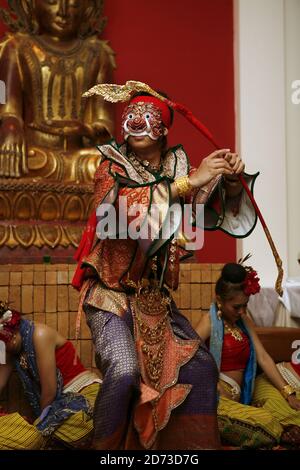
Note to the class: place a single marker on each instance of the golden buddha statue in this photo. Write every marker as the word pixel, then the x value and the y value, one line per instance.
pixel 48 132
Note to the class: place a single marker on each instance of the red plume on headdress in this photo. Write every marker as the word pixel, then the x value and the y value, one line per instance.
pixel 187 113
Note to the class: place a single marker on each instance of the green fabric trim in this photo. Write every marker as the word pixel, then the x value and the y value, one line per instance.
pixel 113 162
pixel 117 147
pixel 174 150
pixel 140 185
pixel 251 185
pixel 159 243
pixel 222 215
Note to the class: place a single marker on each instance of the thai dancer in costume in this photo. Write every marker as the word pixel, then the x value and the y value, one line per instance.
pixel 237 350
pixel 61 393
pixel 159 380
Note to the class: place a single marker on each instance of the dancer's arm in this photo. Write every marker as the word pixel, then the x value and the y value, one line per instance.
pixel 44 344
pixel 269 367
pixel 5 372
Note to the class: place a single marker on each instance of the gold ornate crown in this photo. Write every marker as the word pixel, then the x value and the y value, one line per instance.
pixel 115 93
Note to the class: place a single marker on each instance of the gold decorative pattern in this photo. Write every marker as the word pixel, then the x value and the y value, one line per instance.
pixel 183 185
pixel 149 299
pixel 23 361
pixel 38 213
pixel 150 306
pixel 154 362
pixel 115 93
pixel 152 335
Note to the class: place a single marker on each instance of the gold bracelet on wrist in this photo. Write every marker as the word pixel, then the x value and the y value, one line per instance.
pixel 183 185
pixel 287 390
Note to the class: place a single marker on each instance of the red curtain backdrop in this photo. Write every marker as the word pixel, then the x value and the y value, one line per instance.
pixel 186 50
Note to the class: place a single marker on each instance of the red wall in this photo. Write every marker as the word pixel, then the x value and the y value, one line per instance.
pixel 185 49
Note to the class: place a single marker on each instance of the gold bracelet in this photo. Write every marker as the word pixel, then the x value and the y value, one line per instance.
pixel 287 390
pixel 183 185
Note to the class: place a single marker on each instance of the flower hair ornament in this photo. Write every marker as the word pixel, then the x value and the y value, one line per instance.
pixel 251 284
pixel 9 322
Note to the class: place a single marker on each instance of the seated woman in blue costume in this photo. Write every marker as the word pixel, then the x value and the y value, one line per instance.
pixel 59 389
pixel 237 350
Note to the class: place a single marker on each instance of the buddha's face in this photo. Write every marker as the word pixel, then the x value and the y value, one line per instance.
pixel 60 18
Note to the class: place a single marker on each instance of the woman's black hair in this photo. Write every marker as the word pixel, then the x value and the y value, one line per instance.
pixel 231 280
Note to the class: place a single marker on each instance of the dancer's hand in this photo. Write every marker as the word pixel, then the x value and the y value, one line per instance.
pixel 233 185
pixel 236 164
pixel 293 402
pixel 211 166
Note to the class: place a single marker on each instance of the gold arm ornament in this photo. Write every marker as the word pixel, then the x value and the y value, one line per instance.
pixel 287 390
pixel 183 185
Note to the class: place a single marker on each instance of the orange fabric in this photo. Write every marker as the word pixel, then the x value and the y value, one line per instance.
pixel 235 354
pixel 150 418
pixel 152 412
pixel 117 260
pixel 65 362
pixel 104 179
pixel 117 257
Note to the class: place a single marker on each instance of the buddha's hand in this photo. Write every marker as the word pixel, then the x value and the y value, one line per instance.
pixel 13 162
pixel 98 131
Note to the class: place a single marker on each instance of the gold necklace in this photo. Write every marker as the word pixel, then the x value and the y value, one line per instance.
pixel 150 165
pixel 144 166
pixel 234 331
